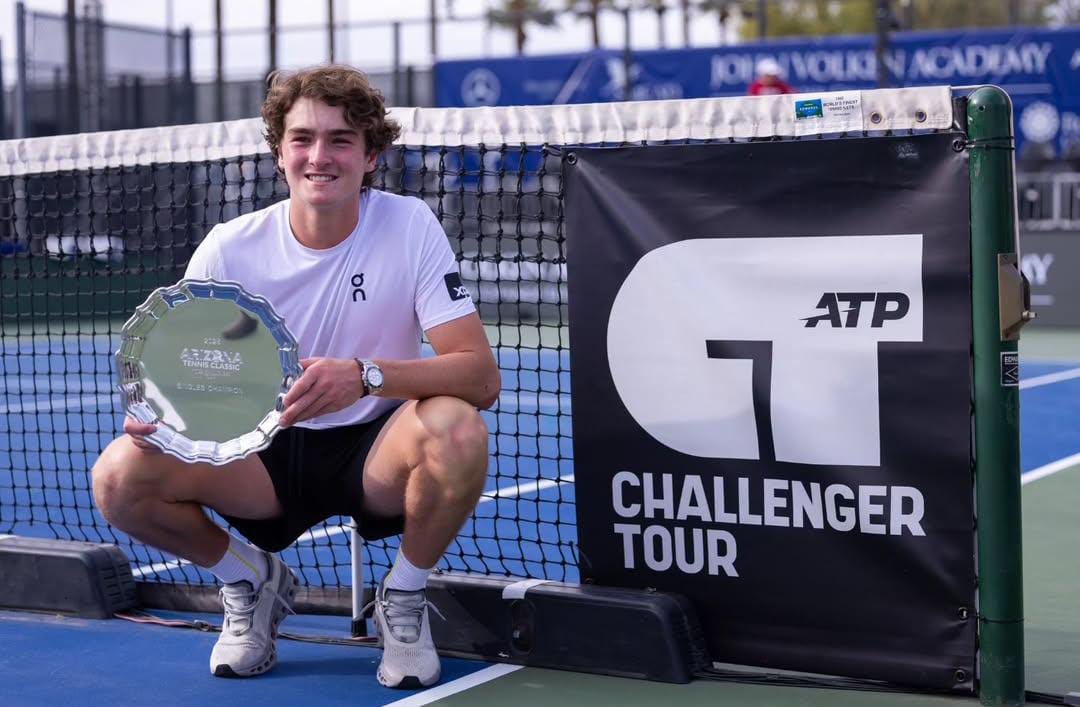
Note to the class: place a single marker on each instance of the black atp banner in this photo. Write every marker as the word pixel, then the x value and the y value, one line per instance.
pixel 770 377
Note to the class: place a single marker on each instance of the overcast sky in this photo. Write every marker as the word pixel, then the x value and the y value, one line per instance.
pixel 369 46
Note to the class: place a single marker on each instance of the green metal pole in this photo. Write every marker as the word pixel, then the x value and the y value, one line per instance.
pixel 997 404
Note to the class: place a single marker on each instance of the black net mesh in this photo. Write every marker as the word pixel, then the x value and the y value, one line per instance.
pixel 80 249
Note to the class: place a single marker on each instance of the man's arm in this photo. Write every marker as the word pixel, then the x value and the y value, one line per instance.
pixel 463 367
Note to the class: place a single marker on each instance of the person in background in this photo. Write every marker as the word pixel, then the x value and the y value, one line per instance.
pixel 769 81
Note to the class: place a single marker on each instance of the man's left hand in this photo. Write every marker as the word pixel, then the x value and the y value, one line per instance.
pixel 327 385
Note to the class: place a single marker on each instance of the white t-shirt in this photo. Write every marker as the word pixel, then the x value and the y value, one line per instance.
pixel 371 296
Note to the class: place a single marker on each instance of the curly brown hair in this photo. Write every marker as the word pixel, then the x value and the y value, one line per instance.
pixel 335 85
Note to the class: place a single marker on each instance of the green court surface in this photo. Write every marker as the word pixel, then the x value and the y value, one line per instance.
pixel 1052 608
pixel 1052 614
pixel 1046 344
pixel 531 686
pixel 1052 582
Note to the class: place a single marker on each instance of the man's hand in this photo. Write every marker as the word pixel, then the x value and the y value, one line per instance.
pixel 327 385
pixel 138 432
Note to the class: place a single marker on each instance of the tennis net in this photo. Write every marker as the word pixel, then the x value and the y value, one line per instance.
pixel 91 224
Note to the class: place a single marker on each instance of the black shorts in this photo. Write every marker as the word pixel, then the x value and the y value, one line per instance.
pixel 317 474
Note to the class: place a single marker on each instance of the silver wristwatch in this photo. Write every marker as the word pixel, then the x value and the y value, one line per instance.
pixel 371 375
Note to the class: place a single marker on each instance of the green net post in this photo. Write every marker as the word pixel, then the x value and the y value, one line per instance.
pixel 997 316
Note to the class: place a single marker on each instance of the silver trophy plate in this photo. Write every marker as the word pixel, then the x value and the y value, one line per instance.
pixel 209 364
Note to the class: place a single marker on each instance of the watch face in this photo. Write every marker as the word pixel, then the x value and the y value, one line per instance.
pixel 375 377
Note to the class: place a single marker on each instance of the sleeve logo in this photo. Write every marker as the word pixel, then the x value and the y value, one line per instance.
pixel 454 288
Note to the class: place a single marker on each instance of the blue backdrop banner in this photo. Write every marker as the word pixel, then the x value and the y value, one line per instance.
pixel 1039 68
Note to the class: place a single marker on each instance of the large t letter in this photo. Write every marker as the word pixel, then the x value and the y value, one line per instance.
pixel 824 380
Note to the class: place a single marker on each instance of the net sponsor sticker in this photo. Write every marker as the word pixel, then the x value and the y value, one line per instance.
pixel 808 109
pixel 836 111
pixel 1010 369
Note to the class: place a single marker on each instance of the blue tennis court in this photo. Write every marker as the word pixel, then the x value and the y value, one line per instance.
pixel 52 426
pixel 54 423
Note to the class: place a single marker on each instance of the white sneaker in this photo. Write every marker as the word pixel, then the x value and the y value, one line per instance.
pixel 247 643
pixel 409 659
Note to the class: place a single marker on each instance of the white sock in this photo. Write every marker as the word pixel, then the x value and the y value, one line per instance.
pixel 405 576
pixel 241 563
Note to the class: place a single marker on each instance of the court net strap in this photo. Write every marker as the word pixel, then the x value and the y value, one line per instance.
pixel 758 117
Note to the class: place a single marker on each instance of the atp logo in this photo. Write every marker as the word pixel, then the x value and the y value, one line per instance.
pixel 746 369
pixel 887 306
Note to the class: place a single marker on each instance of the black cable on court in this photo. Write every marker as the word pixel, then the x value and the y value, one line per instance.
pixel 144 617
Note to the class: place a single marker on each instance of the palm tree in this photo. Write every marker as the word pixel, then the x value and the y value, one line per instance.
pixel 659 7
pixel 590 9
pixel 684 7
pixel 724 9
pixel 1064 12
pixel 516 14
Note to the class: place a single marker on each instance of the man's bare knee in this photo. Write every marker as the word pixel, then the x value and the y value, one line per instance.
pixel 456 441
pixel 121 482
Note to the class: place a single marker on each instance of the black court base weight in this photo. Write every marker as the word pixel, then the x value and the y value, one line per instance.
pixel 88 580
pixel 610 631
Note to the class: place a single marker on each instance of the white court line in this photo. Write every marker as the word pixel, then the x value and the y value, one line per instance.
pixel 30 378
pixel 159 567
pixel 519 400
pixel 521 489
pixel 1050 378
pixel 52 405
pixel 1049 469
pixel 545 401
pixel 453 687
pixel 525 399
pixel 312 535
